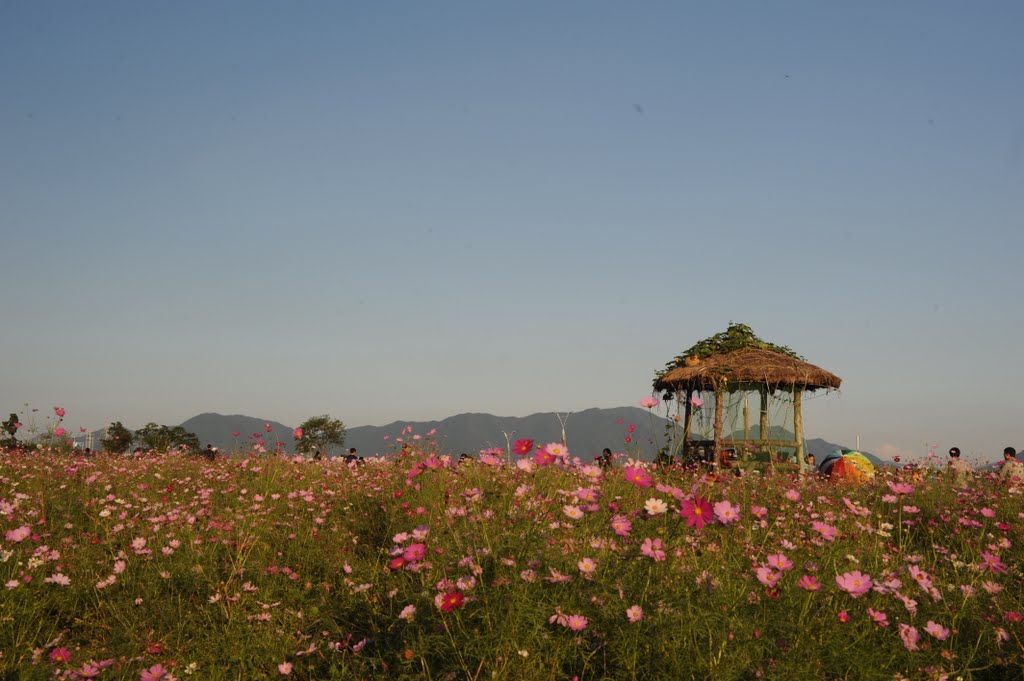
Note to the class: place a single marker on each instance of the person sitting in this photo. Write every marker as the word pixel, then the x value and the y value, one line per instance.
pixel 1013 470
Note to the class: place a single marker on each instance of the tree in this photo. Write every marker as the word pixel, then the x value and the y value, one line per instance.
pixel 9 438
pixel 320 433
pixel 163 438
pixel 117 439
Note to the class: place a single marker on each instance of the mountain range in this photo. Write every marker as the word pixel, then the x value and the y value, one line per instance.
pixel 587 433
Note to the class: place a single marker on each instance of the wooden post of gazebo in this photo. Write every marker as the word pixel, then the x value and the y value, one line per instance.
pixel 798 428
pixel 719 394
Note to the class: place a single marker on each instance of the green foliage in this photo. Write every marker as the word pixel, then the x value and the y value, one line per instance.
pixel 736 337
pixel 320 433
pixel 9 436
pixel 228 569
pixel 117 439
pixel 163 438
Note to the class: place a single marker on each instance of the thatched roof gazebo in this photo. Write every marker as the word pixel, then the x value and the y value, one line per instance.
pixel 737 361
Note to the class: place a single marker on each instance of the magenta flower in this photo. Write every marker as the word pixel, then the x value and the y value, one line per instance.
pixel 59 432
pixel 637 476
pixel 415 552
pixel 59 411
pixel 697 512
pixel 60 655
pixel 523 446
pixel 297 433
pixel 855 583
pixel 992 562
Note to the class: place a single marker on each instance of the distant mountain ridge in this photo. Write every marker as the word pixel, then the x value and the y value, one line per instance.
pixel 587 433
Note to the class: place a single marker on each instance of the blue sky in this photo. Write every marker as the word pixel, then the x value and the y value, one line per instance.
pixel 409 210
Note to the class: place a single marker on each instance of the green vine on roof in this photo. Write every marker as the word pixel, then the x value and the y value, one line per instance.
pixel 736 337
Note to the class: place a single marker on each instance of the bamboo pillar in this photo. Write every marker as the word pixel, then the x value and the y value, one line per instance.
pixel 798 428
pixel 687 419
pixel 764 413
pixel 719 406
pixel 746 417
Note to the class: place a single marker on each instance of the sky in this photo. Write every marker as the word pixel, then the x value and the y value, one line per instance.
pixel 407 210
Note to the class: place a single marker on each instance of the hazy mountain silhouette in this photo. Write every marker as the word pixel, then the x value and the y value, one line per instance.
pixel 587 433
pixel 217 429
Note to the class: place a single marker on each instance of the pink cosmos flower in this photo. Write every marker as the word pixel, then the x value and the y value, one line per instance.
pixel 154 673
pixel 59 432
pixel 759 512
pixel 779 562
pixel 843 616
pixel 921 577
pixel 900 487
pixel 19 534
pixel 267 427
pixel 879 618
pixel 793 495
pixel 556 449
pixel 992 562
pixel 768 576
pixel 415 552
pixel 587 566
pixel 726 513
pixel 285 668
pixel 297 433
pixel 576 622
pixel 855 583
pixel 59 411
pixel 542 457
pixel 937 630
pixel 408 613
pixel 827 532
pixel 649 402
pixel 809 583
pixel 634 614
pixel 910 636
pixel 652 548
pixel 574 512
pixel 696 402
pixel 621 525
pixel 637 476
pixel 59 578
pixel 697 512
pixel 60 655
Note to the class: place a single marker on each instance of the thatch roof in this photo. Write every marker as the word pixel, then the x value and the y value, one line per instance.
pixel 756 366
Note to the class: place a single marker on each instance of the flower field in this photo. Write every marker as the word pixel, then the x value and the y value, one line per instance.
pixel 168 566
